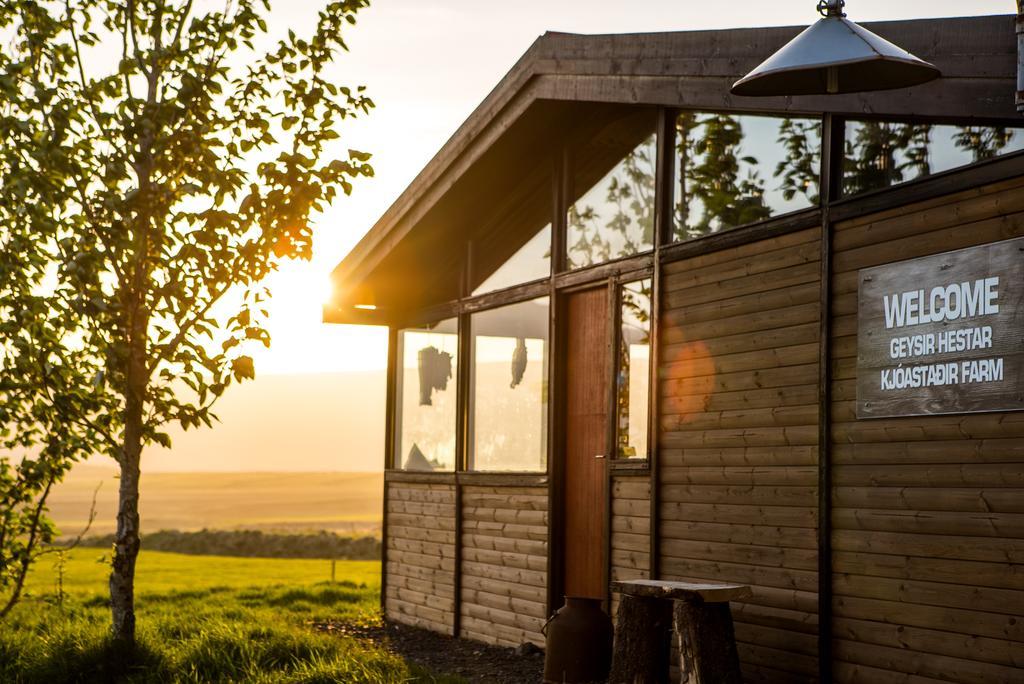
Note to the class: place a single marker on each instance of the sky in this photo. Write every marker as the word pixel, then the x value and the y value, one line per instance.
pixel 426 64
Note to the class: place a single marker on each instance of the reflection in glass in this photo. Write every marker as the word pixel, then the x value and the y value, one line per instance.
pixel 511 239
pixel 425 411
pixel 634 370
pixel 731 170
pixel 508 388
pixel 614 217
pixel 883 153
pixel 531 262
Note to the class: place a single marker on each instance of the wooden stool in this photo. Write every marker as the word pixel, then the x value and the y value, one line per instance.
pixel 702 623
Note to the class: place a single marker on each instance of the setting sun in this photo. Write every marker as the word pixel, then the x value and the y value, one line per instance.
pixel 300 342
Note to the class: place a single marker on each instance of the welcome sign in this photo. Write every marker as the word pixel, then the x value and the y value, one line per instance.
pixel 942 334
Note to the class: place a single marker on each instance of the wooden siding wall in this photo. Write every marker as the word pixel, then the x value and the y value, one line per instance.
pixel 928 513
pixel 738 453
pixel 421 555
pixel 504 564
pixel 630 530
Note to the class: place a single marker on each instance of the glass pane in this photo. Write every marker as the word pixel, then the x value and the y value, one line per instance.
pixel 531 262
pixel 512 240
pixel 425 411
pixel 882 153
pixel 509 388
pixel 613 216
pixel 731 170
pixel 634 370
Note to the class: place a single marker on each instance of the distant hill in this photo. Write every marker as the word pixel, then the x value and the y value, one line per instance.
pixel 274 501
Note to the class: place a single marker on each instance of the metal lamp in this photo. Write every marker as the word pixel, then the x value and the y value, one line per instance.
pixel 835 55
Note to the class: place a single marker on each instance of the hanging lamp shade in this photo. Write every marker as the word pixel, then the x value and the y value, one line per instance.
pixel 833 56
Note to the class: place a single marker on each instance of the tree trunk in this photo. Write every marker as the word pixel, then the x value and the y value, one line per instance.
pixel 643 641
pixel 707 644
pixel 126 539
pixel 126 550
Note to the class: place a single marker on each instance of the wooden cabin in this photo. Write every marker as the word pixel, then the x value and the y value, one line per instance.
pixel 643 328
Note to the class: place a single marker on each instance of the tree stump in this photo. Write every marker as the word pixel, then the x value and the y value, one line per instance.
pixel 707 644
pixel 643 641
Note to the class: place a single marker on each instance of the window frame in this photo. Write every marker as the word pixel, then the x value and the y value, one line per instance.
pixel 839 163
pixel 668 188
pixel 567 187
pixel 617 288
pixel 521 294
pixel 395 417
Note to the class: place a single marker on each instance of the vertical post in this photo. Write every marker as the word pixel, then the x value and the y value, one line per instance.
pixel 831 173
pixel 560 170
pixel 664 196
pixel 1020 56
pixel 611 447
pixel 462 438
pixel 389 456
pixel 463 430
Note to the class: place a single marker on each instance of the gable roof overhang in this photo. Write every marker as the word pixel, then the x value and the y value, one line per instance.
pixel 411 257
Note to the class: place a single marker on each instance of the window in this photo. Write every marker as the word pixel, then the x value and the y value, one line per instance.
pixel 509 388
pixel 612 214
pixel 731 170
pixel 879 154
pixel 531 262
pixel 512 244
pixel 425 411
pixel 634 370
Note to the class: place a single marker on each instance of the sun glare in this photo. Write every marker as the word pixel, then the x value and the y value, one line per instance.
pixel 301 342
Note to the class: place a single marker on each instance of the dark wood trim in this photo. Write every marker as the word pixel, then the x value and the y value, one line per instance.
pixel 633 276
pixel 562 178
pixel 418 477
pixel 468 267
pixel 350 315
pixel 463 399
pixel 478 479
pixel 561 164
pixel 593 275
pixel 976 99
pixel 462 447
pixel 734 237
pixel 433 314
pixel 556 455
pixel 831 175
pixel 457 574
pixel 665 190
pixel 930 187
pixel 611 447
pixel 389 455
pixel 483 479
pixel 511 295
pixel 630 468
pixel 664 178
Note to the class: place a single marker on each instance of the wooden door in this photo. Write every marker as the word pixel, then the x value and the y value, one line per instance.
pixel 586 443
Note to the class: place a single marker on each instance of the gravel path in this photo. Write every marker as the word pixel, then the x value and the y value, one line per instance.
pixel 475 662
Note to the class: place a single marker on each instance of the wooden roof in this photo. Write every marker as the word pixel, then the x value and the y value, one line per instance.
pixel 411 256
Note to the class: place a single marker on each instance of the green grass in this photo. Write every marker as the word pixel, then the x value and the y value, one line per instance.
pixel 201 619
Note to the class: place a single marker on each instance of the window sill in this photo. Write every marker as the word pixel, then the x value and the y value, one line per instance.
pixel 479 478
pixel 637 466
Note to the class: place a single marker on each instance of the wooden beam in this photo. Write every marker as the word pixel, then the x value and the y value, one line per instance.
pixel 389 455
pixel 831 176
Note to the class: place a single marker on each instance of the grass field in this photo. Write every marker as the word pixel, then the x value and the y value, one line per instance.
pixel 287 502
pixel 201 619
